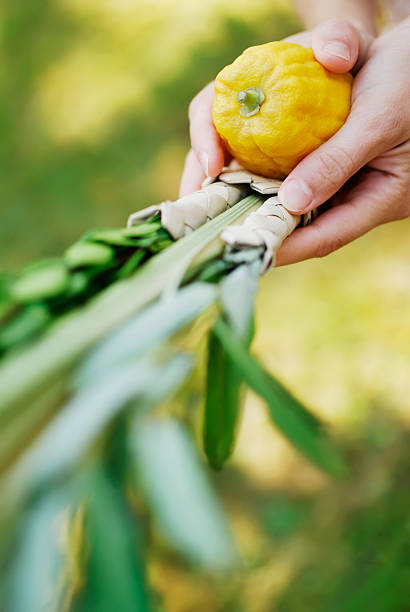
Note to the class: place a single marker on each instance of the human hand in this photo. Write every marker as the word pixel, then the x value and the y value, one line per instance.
pixel 208 154
pixel 363 171
pixel 373 145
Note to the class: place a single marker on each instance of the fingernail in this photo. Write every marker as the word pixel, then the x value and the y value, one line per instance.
pixel 295 196
pixel 204 161
pixel 337 49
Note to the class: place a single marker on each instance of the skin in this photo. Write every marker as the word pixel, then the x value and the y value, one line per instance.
pixel 362 173
pixel 359 12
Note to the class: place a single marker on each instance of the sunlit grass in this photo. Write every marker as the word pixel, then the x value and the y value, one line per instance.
pixel 337 329
pixel 130 46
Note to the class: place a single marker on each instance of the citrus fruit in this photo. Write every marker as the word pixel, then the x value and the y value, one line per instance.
pixel 275 104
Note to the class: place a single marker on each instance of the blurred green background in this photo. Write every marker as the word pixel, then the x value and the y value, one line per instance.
pixel 93 125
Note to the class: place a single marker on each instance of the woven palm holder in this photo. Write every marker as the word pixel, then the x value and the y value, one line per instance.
pixel 266 227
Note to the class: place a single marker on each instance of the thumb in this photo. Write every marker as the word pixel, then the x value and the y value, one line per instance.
pixel 338 45
pixel 322 173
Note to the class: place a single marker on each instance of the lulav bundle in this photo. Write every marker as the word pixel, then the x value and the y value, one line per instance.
pixel 85 398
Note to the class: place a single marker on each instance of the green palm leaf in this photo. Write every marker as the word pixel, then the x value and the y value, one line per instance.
pixel 115 575
pixel 179 494
pixel 27 374
pixel 296 422
pixel 223 387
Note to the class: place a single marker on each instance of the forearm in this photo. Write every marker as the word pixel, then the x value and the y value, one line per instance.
pixel 361 12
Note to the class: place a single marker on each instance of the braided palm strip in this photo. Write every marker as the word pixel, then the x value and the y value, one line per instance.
pixel 184 215
pixel 267 227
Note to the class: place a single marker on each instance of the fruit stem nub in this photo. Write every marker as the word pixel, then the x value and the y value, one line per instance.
pixel 250 100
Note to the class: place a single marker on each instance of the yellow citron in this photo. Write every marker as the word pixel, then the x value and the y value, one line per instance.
pixel 275 104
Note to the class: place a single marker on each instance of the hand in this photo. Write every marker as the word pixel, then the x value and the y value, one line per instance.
pixel 208 155
pixel 373 145
pixel 363 171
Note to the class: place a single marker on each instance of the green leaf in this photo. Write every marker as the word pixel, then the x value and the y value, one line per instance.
pixel 222 404
pixel 82 420
pixel 208 271
pixel 115 575
pixel 243 256
pixel 113 237
pixel 179 494
pixel 131 264
pixel 238 291
pixel 6 303
pixel 79 284
pixel 173 373
pixel 41 281
pixel 296 422
pixel 223 386
pixel 29 373
pixel 143 229
pixel 20 429
pixel 159 244
pixel 137 235
pixel 39 559
pixel 83 254
pixel 29 322
pixel 147 330
pixel 148 241
pixel 213 271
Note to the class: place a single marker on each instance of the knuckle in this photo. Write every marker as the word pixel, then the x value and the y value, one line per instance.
pixel 392 122
pixel 335 166
pixel 326 245
pixel 385 128
pixel 401 209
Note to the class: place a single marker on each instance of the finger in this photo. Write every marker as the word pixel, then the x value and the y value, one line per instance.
pixel 366 134
pixel 192 175
pixel 205 140
pixel 368 205
pixel 301 38
pixel 339 45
